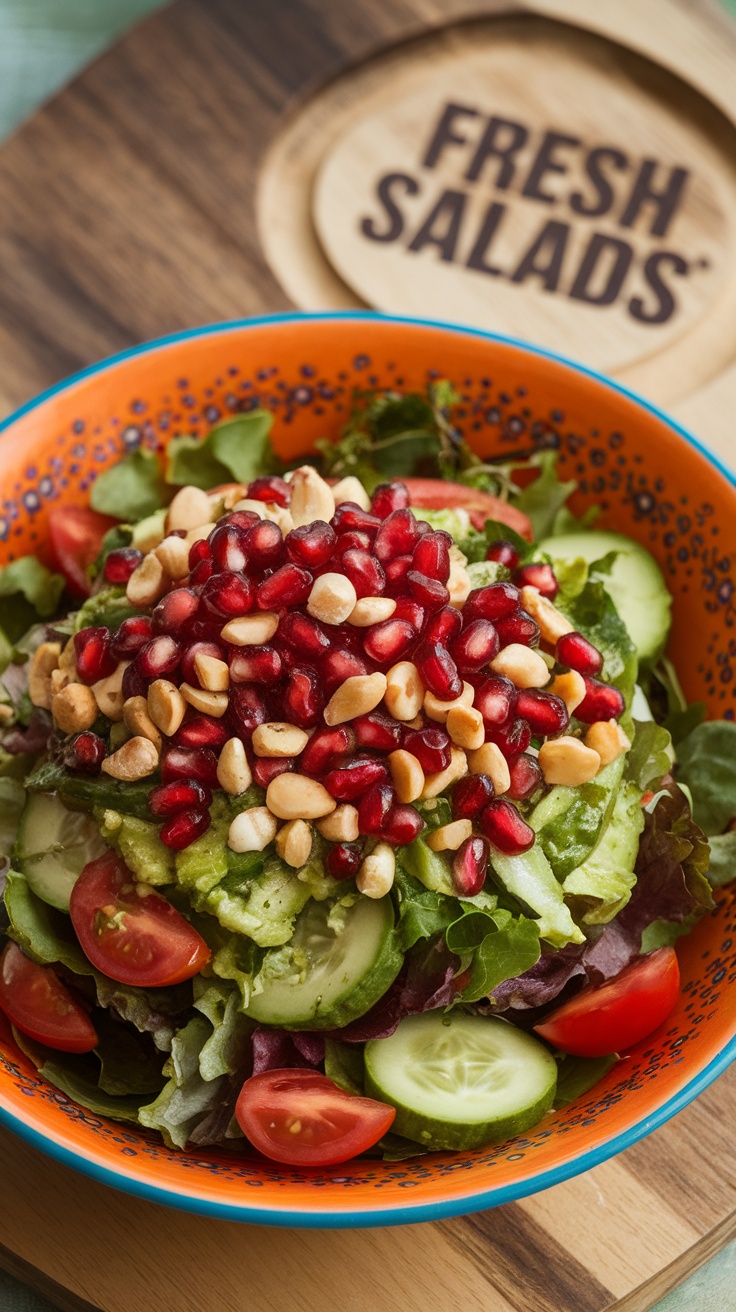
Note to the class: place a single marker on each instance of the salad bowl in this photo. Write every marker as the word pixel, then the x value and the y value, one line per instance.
pixel 649 479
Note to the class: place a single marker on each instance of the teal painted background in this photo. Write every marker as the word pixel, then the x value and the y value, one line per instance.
pixel 43 43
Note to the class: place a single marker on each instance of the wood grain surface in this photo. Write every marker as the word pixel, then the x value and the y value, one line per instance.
pixel 129 210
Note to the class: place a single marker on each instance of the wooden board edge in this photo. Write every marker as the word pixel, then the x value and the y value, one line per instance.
pixel 684 1266
pixel 42 1284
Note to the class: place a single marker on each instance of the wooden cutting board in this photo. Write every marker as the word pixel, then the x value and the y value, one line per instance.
pixel 206 169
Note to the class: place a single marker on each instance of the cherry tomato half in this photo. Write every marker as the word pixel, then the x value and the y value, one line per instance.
pixel 302 1118
pixel 39 1005
pixel 76 534
pixel 612 1017
pixel 436 494
pixel 129 931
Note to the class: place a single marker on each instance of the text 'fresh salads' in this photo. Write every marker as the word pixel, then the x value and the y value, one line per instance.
pixel 346 808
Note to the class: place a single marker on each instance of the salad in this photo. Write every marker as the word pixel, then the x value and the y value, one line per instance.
pixel 347 808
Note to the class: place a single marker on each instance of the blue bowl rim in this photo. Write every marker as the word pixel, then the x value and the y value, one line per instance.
pixel 412 1213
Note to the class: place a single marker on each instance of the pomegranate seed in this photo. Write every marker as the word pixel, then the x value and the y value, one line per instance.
pixel 518 628
pixel 326 748
pixel 350 518
pixel 246 710
pixel 175 610
pixel 355 778
pixel 244 519
pixel 255 665
pixel 432 555
pixel 188 671
pixel 377 731
pixel 339 665
pixel 198 763
pixel 470 866
pixel 159 658
pixel 444 626
pixel 228 549
pixel 287 586
pixel 184 828
pixel 411 611
pixel 506 829
pixel 403 826
pixel 179 795
pixel 431 746
pixel 547 715
pixel 264 545
pixel 343 860
pixel 574 651
pixel 266 768
pixel 133 634
pixel 202 731
pixel 303 634
pixel 365 572
pixel 120 564
pixel 353 541
pixel 512 738
pixel 375 808
pixel 84 753
pixel 397 536
pixel 540 576
pixel 503 552
pixel 601 702
pixel 438 671
pixel 302 698
pixel 526 777
pixel 429 592
pixel 389 497
pixel 200 573
pixel 93 654
pixel 269 487
pixel 133 685
pixel 470 795
pixel 494 602
pixel 396 572
pixel 228 595
pixel 199 551
pixel 477 645
pixel 311 545
pixel 495 698
pixel 387 642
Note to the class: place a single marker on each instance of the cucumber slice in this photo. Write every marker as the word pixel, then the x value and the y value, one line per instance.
pixel 53 847
pixel 338 963
pixel 459 1081
pixel 636 584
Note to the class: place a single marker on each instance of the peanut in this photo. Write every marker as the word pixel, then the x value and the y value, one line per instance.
pixel 490 760
pixel 407 775
pixel 570 687
pixel 68 660
pixel 279 739
pixel 341 826
pixel 233 771
pixel 351 489
pixel 522 665
pixel 438 710
pixel 371 610
pixel 448 838
pixel 138 721
pixel 174 556
pixel 109 693
pixel 252 830
pixel 332 598
pixel 465 727
pixel 251 630
pixel 199 534
pixel 166 706
pixel 608 739
pixel 294 843
pixel 189 508
pixel 209 703
pixel 458 584
pixel 148 583
pixel 59 680
pixel 358 695
pixel 404 691
pixel 376 874
pixel 296 797
pixel 134 760
pixel 74 708
pixel 552 623
pixel 435 784
pixel 311 497
pixel 45 659
pixel 568 761
pixel 213 674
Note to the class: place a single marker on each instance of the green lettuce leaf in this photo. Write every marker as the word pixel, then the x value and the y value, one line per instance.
pixel 649 761
pixel 186 1097
pixel 722 868
pixel 138 843
pixel 577 1075
pixel 131 489
pixel 602 884
pixel 89 792
pixel 543 498
pixel 27 591
pixel 12 801
pixel 677 714
pixel 529 879
pixel 569 821
pixel 594 614
pixel 228 1047
pixel 345 1066
pixel 475 544
pixel 129 1063
pixel 108 607
pixel 508 950
pixel 77 1076
pixel 237 449
pixel 422 912
pixel 706 762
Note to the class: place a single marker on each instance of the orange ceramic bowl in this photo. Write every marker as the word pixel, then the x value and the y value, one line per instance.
pixel 651 480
